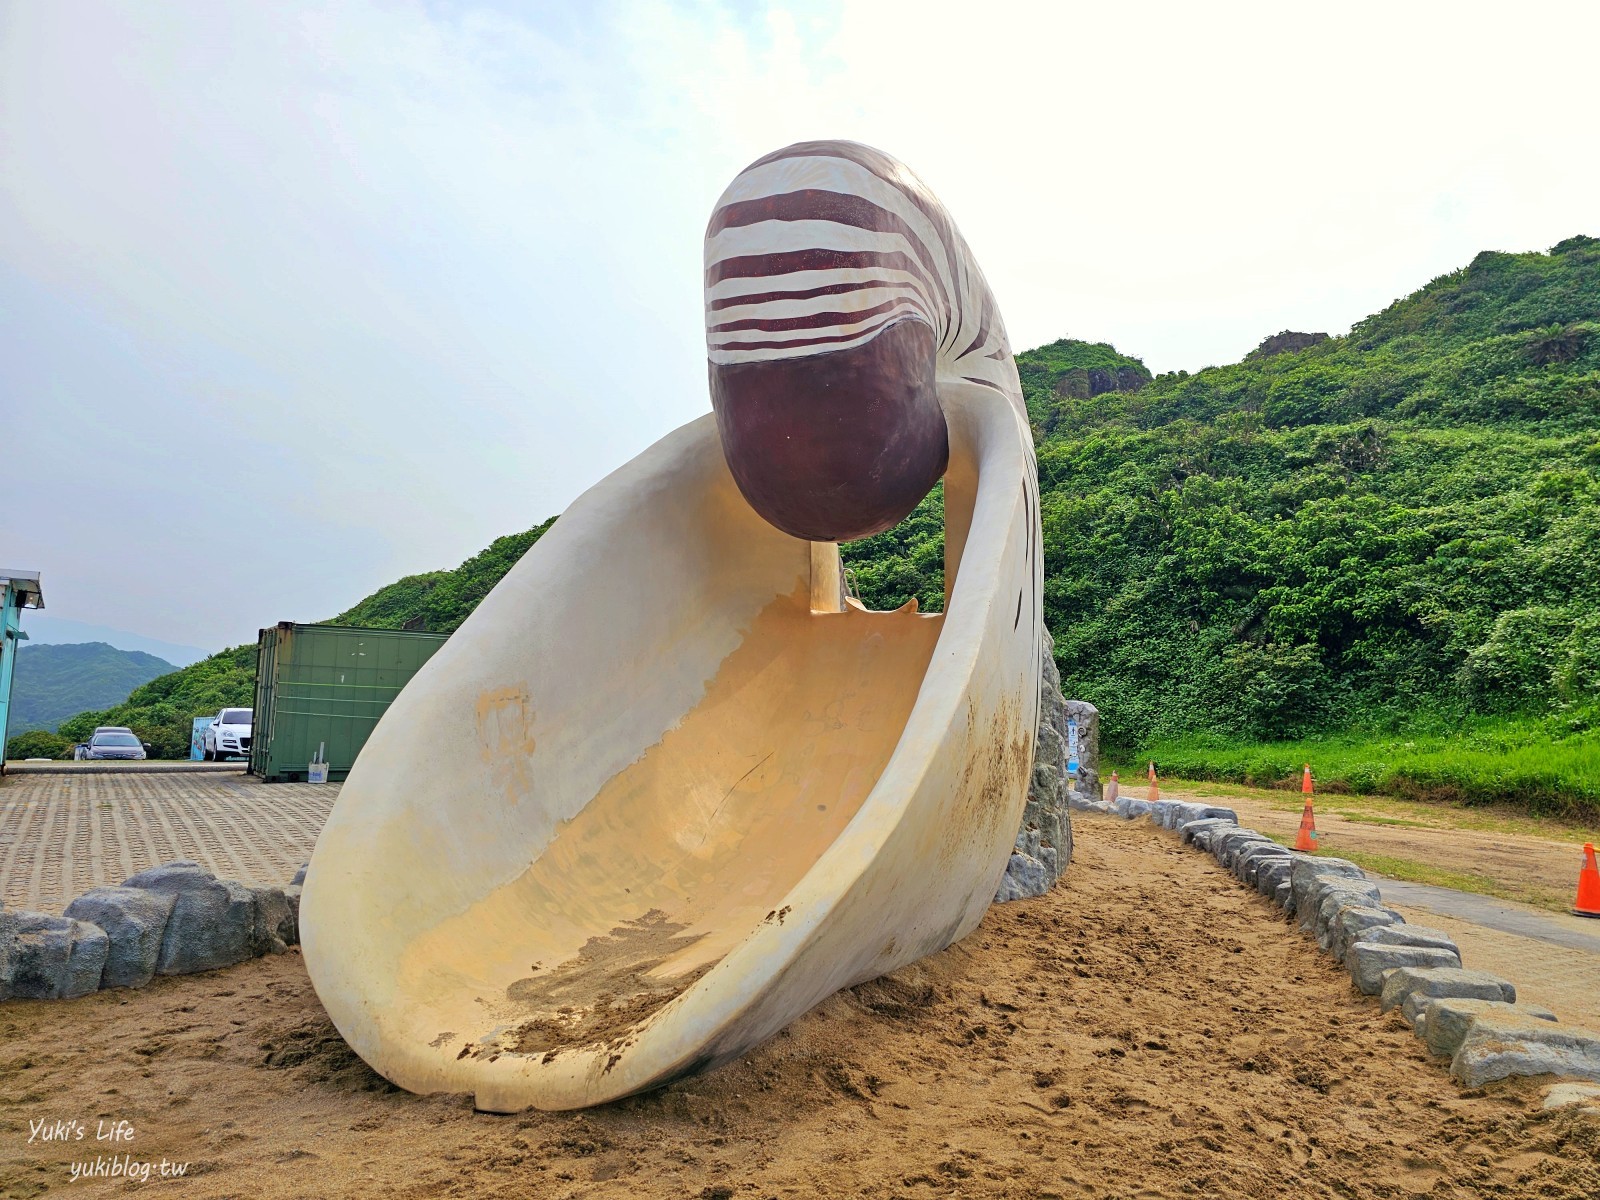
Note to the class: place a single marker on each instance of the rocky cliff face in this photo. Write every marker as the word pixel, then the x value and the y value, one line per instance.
pixel 1084 382
pixel 1285 343
pixel 1044 842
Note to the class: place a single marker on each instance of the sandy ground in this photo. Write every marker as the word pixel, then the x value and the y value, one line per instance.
pixel 1149 1029
pixel 1541 870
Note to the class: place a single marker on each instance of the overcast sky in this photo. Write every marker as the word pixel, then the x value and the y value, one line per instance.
pixel 299 298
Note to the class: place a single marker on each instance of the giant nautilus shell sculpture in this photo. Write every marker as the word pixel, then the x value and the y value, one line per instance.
pixel 668 787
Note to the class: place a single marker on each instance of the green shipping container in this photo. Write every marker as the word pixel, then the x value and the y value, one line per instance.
pixel 327 685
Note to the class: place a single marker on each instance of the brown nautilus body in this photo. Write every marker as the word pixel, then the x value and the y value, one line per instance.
pixel 839 446
pixel 837 293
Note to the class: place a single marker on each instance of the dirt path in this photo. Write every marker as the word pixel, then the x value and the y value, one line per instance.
pixel 1563 979
pixel 1511 856
pixel 1149 1029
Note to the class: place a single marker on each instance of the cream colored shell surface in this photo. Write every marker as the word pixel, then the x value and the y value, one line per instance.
pixel 646 806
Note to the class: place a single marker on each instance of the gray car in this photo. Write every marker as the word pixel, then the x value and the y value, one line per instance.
pixel 116 744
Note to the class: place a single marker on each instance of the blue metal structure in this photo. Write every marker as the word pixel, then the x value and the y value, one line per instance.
pixel 18 590
pixel 197 739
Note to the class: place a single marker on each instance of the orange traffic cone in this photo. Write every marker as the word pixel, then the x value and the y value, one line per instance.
pixel 1305 780
pixel 1155 788
pixel 1306 839
pixel 1113 789
pixel 1588 902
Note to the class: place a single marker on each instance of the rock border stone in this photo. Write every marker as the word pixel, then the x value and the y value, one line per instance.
pixel 1468 1016
pixel 173 919
pixel 1043 847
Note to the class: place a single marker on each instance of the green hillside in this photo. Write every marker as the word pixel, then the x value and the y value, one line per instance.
pixel 440 600
pixel 1055 375
pixel 1383 545
pixel 52 682
pixel 1379 538
pixel 162 711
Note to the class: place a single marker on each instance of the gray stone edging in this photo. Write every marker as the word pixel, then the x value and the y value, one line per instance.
pixel 1470 1017
pixel 1044 841
pixel 172 919
pixel 157 766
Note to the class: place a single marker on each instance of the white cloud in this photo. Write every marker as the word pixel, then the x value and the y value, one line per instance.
pixel 385 280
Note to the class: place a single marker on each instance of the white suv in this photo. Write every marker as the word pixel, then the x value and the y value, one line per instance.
pixel 228 734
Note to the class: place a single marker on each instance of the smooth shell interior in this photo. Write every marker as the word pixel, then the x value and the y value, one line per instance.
pixel 609 789
pixel 686 850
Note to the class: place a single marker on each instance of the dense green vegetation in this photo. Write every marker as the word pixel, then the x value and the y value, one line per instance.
pixel 162 712
pixel 908 560
pixel 440 600
pixel 1377 552
pixel 1539 763
pixel 38 743
pixel 1392 531
pixel 52 682
pixel 1053 376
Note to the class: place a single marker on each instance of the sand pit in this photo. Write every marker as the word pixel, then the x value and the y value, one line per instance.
pixel 1150 1029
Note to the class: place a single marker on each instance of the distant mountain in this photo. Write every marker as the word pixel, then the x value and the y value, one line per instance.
pixel 54 682
pixel 44 627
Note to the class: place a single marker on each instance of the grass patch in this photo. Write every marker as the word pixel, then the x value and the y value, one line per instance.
pixel 1358 818
pixel 1538 766
pixel 1462 881
pixel 1416 872
pixel 1412 871
pixel 1494 819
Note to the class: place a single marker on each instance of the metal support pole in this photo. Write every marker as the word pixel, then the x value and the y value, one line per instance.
pixel 827 578
pixel 10 627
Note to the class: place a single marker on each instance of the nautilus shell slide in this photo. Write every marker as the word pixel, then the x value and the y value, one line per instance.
pixel 668 787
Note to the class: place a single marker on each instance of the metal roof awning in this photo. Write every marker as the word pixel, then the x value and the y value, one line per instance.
pixel 26 584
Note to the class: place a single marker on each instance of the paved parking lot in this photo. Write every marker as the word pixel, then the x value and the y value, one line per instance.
pixel 61 834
